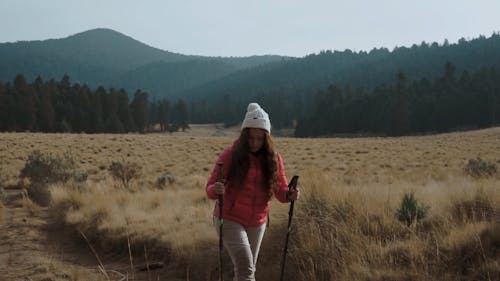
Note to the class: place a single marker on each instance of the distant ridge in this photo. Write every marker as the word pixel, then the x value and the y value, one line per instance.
pixel 109 58
pixel 355 69
pixel 106 47
pixel 103 56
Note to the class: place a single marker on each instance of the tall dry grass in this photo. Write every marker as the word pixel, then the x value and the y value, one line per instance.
pixel 157 217
pixel 346 233
pixel 345 225
pixel 341 232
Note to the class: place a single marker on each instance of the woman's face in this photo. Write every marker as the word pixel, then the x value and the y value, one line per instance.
pixel 256 138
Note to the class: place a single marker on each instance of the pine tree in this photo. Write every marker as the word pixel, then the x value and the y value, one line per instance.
pixel 124 111
pixel 97 111
pixel 4 107
pixel 180 117
pixel 400 108
pixel 139 108
pixel 164 114
pixel 25 104
pixel 45 113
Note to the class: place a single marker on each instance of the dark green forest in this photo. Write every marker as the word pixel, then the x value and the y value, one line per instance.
pixel 62 106
pixel 450 101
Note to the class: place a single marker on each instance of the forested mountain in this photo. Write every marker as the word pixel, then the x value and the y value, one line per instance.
pixel 104 50
pixel 289 88
pixel 104 57
pixel 357 69
pixel 421 89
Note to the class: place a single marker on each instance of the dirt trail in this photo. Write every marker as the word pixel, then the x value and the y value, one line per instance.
pixel 32 250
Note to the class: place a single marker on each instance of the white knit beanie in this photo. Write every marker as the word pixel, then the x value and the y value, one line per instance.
pixel 256 117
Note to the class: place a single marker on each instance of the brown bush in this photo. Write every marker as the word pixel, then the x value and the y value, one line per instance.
pixel 479 208
pixel 125 172
pixel 479 168
pixel 474 258
pixel 39 193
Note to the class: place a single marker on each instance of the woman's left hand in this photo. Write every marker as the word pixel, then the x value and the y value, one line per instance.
pixel 293 195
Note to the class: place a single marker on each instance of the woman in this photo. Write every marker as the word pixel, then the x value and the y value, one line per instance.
pixel 253 172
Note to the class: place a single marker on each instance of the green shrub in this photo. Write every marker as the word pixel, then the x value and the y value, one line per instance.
pixel 124 172
pixel 43 169
pixel 163 180
pixel 80 176
pixel 411 211
pixel 478 168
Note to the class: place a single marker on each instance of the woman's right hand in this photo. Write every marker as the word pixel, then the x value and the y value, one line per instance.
pixel 219 188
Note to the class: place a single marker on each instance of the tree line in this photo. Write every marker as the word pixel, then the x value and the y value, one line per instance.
pixel 62 106
pixel 452 100
pixel 448 102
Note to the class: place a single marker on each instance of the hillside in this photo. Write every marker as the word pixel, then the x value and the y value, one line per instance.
pixel 167 79
pixel 109 58
pixel 78 55
pixel 357 69
pixel 348 92
pixel 101 57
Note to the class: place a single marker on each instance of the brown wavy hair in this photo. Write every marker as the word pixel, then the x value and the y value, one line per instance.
pixel 240 161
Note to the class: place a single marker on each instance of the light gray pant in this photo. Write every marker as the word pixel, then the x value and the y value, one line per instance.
pixel 243 244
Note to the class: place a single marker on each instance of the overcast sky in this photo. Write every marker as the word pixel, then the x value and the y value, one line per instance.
pixel 255 27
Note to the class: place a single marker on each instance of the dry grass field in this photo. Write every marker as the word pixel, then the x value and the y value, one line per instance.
pixel 345 223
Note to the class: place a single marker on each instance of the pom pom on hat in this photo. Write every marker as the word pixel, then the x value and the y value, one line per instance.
pixel 253 106
pixel 256 117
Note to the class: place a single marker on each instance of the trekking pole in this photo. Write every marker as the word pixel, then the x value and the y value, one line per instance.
pixel 291 186
pixel 221 221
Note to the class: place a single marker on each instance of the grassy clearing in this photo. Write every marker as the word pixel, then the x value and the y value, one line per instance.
pixel 346 226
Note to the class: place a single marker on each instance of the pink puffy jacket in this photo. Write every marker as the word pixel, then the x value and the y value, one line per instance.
pixel 247 205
